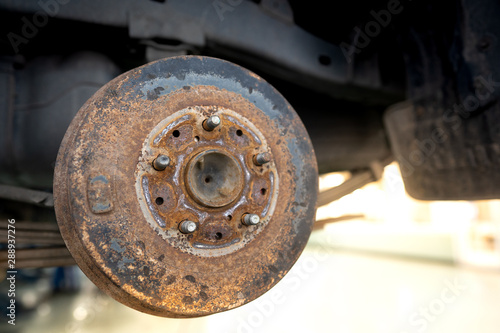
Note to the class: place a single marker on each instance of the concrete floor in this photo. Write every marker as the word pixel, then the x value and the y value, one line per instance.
pixel 326 291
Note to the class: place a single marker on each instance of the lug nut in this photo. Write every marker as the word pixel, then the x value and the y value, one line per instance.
pixel 161 162
pixel 250 219
pixel 211 123
pixel 262 158
pixel 187 227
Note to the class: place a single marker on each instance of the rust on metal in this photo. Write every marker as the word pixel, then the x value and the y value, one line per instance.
pixel 137 251
pixel 99 194
pixel 212 181
pixel 262 158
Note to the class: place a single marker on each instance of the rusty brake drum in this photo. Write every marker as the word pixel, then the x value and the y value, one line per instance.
pixel 186 187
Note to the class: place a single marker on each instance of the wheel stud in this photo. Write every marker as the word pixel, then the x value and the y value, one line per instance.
pixel 262 158
pixel 250 219
pixel 187 227
pixel 211 123
pixel 161 162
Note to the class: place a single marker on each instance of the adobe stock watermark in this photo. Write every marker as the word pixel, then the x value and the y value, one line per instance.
pixel 266 307
pixel 362 37
pixel 31 26
pixel 426 315
pixel 11 272
pixel 485 88
pixel 223 6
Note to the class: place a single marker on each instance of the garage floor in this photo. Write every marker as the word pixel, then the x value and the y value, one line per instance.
pixel 327 291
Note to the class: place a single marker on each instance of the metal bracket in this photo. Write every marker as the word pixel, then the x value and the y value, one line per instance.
pixel 358 179
pixel 39 198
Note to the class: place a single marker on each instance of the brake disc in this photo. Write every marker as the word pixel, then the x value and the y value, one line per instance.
pixel 186 187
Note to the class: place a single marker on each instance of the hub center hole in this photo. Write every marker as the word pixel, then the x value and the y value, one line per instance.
pixel 214 178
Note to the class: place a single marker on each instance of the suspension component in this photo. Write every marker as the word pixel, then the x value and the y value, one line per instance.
pixel 156 173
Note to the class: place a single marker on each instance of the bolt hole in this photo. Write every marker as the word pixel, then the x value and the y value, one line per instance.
pixel 176 133
pixel 218 235
pixel 239 132
pixel 159 201
pixel 208 179
pixel 229 217
pixel 196 138
pixel 263 191
pixel 324 60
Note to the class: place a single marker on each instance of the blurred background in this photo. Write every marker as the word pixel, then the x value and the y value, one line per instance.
pixel 396 265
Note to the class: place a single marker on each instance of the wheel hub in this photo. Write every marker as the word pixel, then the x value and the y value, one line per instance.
pixel 186 187
pixel 212 180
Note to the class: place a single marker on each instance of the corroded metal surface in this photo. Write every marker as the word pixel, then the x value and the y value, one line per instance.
pixel 121 217
pixel 212 180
